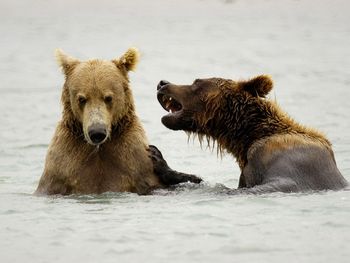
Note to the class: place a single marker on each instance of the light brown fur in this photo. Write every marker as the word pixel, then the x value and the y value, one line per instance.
pixel 98 90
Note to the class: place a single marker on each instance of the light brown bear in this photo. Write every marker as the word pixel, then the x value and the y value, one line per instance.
pixel 99 145
pixel 274 152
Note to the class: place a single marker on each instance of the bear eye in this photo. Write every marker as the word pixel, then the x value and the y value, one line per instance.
pixel 82 100
pixel 108 99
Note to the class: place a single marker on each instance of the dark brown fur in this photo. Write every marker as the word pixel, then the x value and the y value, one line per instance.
pixel 238 117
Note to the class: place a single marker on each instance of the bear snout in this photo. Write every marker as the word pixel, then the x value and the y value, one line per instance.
pixel 162 83
pixel 97 133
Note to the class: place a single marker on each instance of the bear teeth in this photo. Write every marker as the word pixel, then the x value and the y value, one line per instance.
pixel 170 104
pixel 167 104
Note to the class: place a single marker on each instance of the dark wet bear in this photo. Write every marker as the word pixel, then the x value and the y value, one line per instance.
pixel 274 152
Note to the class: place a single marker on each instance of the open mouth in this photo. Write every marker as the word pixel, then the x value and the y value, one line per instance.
pixel 178 118
pixel 169 103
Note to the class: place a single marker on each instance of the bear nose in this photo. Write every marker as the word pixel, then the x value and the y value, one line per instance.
pixel 97 133
pixel 162 83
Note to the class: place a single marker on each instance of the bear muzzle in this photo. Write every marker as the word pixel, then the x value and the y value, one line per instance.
pixel 97 133
pixel 162 83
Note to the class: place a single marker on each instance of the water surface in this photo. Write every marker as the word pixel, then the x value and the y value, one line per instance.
pixel 303 45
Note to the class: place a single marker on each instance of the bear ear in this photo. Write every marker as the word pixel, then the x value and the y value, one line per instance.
pixel 259 86
pixel 129 60
pixel 66 62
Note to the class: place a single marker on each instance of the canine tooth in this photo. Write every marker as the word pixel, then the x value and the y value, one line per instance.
pixel 167 105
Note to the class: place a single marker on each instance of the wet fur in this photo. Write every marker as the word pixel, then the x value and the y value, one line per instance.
pixel 237 121
pixel 122 163
pixel 274 152
pixel 119 165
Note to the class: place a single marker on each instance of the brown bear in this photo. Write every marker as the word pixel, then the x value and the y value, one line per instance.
pixel 274 152
pixel 99 145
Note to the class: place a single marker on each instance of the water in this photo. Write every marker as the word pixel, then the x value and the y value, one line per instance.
pixel 303 45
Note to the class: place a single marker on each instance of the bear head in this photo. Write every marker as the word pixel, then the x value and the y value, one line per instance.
pixel 209 101
pixel 96 94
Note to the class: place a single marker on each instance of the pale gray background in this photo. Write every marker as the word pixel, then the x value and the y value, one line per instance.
pixel 303 45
